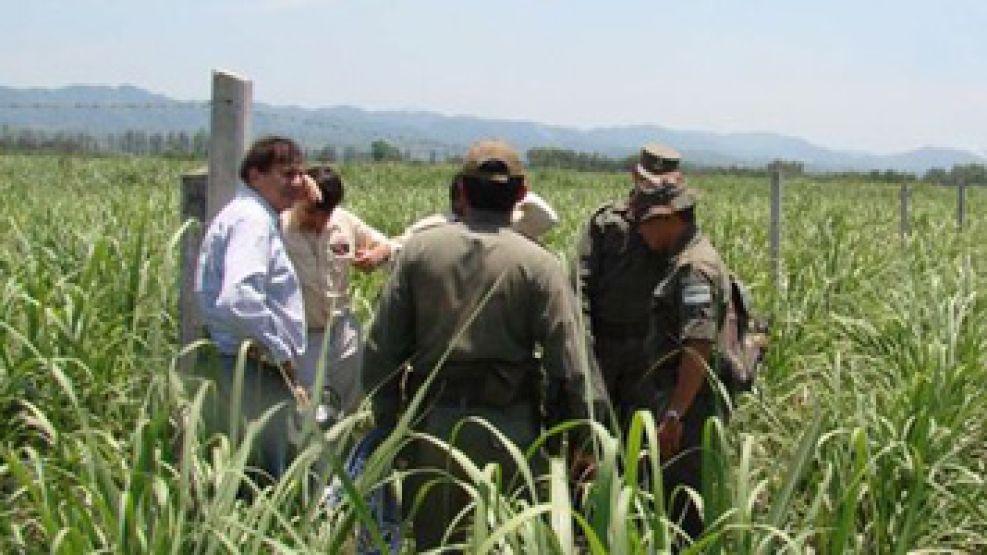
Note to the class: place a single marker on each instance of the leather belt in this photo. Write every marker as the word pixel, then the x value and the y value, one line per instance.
pixel 620 329
pixel 286 370
pixel 259 354
pixel 263 359
pixel 475 385
pixel 456 393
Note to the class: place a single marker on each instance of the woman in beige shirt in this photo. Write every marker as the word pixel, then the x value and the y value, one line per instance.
pixel 323 241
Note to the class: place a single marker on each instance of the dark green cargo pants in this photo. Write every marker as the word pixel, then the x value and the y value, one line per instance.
pixel 621 362
pixel 685 469
pixel 442 502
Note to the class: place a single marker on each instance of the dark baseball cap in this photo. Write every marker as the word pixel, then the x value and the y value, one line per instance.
pixel 493 160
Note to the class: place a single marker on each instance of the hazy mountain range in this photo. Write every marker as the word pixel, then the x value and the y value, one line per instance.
pixel 99 110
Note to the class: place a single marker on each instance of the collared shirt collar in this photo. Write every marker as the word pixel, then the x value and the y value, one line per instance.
pixel 690 236
pixel 246 191
pixel 488 217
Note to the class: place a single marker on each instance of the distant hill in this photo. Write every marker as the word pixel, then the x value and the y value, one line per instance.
pixel 103 109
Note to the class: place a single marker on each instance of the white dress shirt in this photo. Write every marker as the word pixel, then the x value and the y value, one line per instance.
pixel 245 283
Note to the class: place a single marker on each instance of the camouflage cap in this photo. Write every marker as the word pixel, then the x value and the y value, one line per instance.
pixel 655 161
pixel 662 201
pixel 493 160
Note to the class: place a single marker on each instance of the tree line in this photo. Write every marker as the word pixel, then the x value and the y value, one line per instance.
pixel 169 144
pixel 133 141
pixel 195 145
pixel 560 158
pixel 971 174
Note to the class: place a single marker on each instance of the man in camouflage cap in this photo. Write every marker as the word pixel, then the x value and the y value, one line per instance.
pixel 657 165
pixel 467 305
pixel 687 308
pixel 617 273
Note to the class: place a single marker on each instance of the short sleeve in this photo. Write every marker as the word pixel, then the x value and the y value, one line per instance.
pixel 365 236
pixel 698 303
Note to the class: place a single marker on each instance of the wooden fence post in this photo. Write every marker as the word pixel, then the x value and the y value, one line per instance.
pixel 776 226
pixel 904 196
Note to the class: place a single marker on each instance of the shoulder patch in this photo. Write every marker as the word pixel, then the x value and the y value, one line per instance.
pixel 697 294
pixel 602 210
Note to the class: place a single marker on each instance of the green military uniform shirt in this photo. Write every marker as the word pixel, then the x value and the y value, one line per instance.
pixel 472 300
pixel 688 303
pixel 483 296
pixel 617 274
pixel 617 271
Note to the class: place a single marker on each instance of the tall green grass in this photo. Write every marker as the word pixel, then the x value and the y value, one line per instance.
pixel 867 433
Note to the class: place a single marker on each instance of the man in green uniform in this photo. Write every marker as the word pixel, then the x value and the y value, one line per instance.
pixel 469 302
pixel 617 273
pixel 687 311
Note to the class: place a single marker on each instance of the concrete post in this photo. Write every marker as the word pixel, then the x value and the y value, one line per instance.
pixel 205 192
pixel 193 207
pixel 904 195
pixel 229 130
pixel 960 205
pixel 776 226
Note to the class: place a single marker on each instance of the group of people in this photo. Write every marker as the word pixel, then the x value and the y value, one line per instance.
pixel 477 318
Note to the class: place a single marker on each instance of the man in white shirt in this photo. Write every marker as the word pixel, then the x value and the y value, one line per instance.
pixel 248 292
pixel 324 240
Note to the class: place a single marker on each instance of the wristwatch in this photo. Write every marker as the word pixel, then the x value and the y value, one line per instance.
pixel 672 414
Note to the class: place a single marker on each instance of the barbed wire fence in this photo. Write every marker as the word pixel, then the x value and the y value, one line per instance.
pixel 46 128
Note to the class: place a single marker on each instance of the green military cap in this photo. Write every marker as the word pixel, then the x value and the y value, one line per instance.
pixel 663 201
pixel 657 160
pixel 493 160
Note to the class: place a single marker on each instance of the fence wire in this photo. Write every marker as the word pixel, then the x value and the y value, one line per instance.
pixel 419 144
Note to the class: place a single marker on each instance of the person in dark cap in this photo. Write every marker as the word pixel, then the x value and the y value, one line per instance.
pixel 617 272
pixel 686 315
pixel 657 165
pixel 467 306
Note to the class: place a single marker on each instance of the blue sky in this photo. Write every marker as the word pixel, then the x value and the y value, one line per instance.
pixel 875 75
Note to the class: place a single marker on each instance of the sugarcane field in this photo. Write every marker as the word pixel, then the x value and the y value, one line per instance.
pixel 635 277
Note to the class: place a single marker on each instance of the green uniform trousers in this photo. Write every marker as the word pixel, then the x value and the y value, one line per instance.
pixel 445 500
pixel 685 468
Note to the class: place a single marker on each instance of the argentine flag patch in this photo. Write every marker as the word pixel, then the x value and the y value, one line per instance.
pixel 697 295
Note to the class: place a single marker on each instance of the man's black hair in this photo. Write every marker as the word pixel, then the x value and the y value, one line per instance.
pixel 268 151
pixel 688 215
pixel 455 206
pixel 330 185
pixel 492 196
